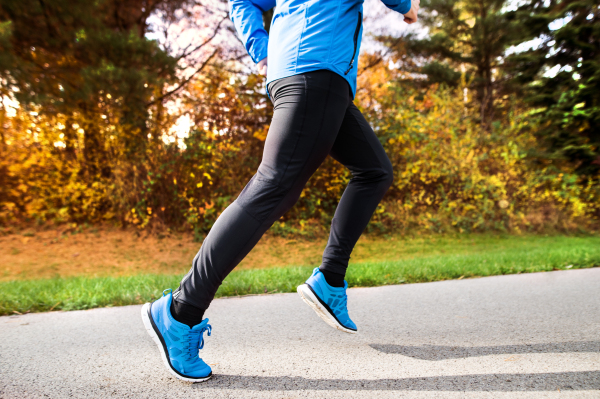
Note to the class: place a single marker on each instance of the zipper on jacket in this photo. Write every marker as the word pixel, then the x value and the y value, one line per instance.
pixel 356 32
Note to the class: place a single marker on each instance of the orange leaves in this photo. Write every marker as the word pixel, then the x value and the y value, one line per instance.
pixel 262 133
pixel 448 173
pixel 207 206
pixel 447 168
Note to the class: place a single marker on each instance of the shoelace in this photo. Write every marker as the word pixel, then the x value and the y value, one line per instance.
pixel 195 341
pixel 341 305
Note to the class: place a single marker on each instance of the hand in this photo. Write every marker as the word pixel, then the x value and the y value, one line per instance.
pixel 411 16
pixel 262 65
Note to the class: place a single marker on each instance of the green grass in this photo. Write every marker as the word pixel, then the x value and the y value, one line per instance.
pixel 466 258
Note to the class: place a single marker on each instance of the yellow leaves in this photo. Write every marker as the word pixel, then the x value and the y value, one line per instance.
pixel 495 181
pixel 470 156
pixel 262 133
pixel 445 168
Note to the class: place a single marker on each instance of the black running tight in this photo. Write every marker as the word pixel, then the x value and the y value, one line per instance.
pixel 314 116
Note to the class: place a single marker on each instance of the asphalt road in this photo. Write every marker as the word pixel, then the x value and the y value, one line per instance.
pixel 529 335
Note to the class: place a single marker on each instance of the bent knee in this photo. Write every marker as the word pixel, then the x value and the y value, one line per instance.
pixel 385 173
pixel 382 176
pixel 388 174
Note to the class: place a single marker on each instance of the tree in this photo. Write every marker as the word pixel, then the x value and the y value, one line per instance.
pixel 92 90
pixel 560 78
pixel 466 37
pixel 81 59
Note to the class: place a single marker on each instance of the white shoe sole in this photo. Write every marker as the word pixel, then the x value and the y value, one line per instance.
pixel 161 348
pixel 311 300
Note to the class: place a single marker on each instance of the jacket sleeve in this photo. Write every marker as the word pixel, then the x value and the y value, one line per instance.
pixel 401 6
pixel 246 16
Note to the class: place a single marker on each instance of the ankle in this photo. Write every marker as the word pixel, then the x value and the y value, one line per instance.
pixel 186 314
pixel 333 279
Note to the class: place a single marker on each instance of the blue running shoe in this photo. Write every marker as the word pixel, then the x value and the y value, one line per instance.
pixel 178 343
pixel 329 302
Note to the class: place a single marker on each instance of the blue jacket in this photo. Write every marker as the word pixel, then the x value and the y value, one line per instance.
pixel 306 35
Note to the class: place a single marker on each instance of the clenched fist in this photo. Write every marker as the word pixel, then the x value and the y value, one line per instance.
pixel 411 16
pixel 262 66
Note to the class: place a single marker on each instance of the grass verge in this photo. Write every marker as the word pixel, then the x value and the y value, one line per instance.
pixel 548 253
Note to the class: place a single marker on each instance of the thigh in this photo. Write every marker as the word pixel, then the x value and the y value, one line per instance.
pixel 357 147
pixel 308 112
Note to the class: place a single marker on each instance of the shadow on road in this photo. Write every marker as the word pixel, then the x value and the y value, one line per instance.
pixel 437 352
pixel 581 380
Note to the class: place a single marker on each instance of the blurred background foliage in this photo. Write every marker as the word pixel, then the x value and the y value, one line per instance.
pixel 491 119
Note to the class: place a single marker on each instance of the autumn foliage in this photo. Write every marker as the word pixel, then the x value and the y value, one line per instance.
pixel 101 125
pixel 450 174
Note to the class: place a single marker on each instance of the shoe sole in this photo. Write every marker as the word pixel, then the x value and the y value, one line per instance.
pixel 153 332
pixel 309 297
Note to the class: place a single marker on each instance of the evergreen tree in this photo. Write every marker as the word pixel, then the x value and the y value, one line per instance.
pixel 76 57
pixel 465 37
pixel 561 78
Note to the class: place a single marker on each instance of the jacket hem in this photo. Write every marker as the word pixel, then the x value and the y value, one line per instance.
pixel 285 73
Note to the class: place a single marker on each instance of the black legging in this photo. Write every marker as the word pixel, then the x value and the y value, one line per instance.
pixel 314 116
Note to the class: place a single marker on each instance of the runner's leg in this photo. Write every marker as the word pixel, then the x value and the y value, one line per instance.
pixel 358 148
pixel 308 112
